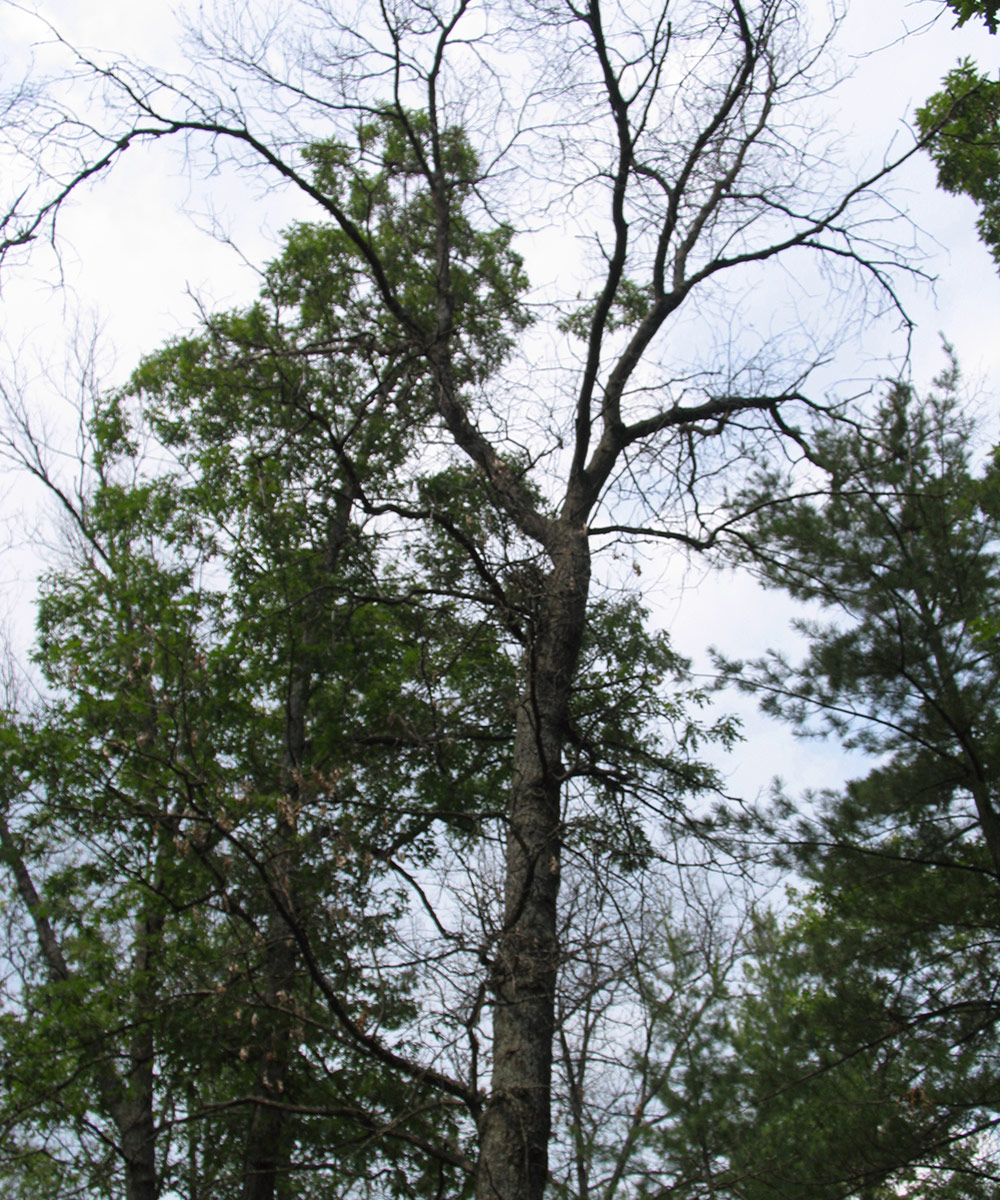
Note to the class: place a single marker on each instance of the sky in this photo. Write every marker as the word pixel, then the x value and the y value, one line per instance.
pixel 137 247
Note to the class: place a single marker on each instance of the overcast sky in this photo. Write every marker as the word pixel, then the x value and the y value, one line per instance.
pixel 135 250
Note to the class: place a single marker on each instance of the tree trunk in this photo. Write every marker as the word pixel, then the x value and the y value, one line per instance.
pixel 134 1118
pixel 133 1114
pixel 266 1152
pixel 128 1103
pixel 516 1123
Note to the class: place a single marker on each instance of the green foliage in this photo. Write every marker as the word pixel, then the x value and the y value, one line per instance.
pixel 824 1054
pixel 248 719
pixel 635 736
pixel 383 184
pixel 967 9
pixel 900 551
pixel 631 303
pixel 963 124
pixel 846 1084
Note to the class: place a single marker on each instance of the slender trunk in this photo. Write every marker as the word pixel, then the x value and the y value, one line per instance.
pixel 266 1152
pixel 193 1165
pixel 128 1102
pixel 134 1113
pixel 516 1123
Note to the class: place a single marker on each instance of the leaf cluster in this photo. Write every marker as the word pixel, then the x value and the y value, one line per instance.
pixel 963 124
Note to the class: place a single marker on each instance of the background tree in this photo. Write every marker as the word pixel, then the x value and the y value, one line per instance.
pixel 829 1079
pixel 963 120
pixel 227 726
pixel 888 965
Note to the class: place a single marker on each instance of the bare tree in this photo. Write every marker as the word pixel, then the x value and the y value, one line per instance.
pixel 676 140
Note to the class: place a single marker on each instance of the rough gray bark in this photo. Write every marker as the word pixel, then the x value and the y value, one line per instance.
pixel 516 1123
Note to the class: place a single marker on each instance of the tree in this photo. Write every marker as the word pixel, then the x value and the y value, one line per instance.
pixel 894 946
pixel 645 1067
pixel 902 551
pixel 209 742
pixel 176 711
pixel 833 1077
pixel 689 169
